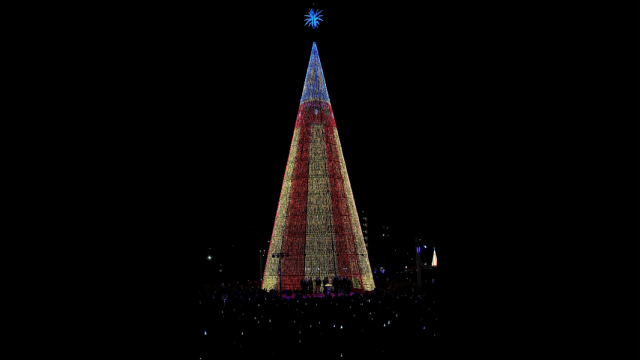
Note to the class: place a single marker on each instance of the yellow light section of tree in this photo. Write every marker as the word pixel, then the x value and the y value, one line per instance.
pixel 319 260
pixel 271 269
pixel 365 267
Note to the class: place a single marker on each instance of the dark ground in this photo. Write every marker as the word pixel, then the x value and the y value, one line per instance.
pixel 272 326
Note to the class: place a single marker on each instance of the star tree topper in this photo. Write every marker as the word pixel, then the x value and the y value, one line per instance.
pixel 313 18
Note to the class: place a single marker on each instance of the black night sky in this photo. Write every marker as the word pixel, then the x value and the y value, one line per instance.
pixel 417 105
pixel 398 126
pixel 466 125
pixel 448 118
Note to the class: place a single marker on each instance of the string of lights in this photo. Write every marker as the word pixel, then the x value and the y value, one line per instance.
pixel 316 223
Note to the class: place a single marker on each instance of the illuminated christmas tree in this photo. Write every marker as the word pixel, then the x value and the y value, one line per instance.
pixel 317 232
pixel 434 261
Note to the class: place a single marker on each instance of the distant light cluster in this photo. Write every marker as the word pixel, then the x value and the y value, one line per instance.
pixel 434 261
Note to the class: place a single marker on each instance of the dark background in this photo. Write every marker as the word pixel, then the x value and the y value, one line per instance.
pixel 460 125
pixel 454 120
pixel 404 83
pixel 482 128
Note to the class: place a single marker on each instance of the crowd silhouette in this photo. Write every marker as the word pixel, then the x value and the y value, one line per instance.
pixel 311 322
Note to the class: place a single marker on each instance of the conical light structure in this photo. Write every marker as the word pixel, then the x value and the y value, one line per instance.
pixel 317 231
pixel 434 261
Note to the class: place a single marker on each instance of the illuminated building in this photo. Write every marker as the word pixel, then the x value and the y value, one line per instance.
pixel 317 230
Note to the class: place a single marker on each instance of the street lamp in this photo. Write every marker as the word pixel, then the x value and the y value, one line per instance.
pixel 262 254
pixel 280 255
pixel 419 264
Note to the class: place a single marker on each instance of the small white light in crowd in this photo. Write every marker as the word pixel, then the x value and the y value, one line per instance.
pixel 434 334
pixel 300 340
pixel 205 333
pixel 384 325
pixel 340 326
pixel 334 325
pixel 241 333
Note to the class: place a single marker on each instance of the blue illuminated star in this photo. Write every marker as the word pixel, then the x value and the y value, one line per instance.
pixel 313 18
